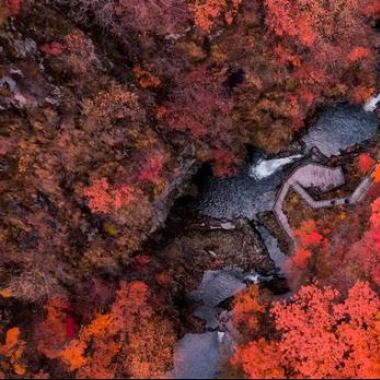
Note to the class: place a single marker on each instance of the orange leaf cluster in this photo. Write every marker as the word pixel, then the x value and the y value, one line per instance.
pixel 376 174
pixel 5 293
pixel 161 112
pixel 260 360
pixel 247 308
pixel 207 12
pixel 72 355
pixel 111 105
pixel 146 79
pixel 13 349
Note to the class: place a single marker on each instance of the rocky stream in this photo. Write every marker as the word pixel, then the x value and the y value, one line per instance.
pixel 234 219
pixel 99 185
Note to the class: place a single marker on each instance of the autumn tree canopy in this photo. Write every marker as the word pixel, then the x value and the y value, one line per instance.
pixel 318 333
pixel 131 340
pixel 107 110
pixel 329 326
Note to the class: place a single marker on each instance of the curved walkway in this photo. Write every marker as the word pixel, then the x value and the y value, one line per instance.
pixel 322 177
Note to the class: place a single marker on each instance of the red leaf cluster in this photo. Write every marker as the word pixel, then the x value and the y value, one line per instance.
pixel 366 162
pixel 201 110
pixel 106 198
pixel 54 48
pixel 142 259
pixel 15 6
pixel 151 169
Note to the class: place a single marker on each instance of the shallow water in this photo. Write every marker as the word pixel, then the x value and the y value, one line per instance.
pixel 241 196
pixel 216 287
pixel 340 127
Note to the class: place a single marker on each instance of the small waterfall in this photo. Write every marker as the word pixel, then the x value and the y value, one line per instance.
pixel 372 103
pixel 265 168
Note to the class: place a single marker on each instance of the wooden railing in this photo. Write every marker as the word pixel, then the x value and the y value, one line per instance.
pixel 322 177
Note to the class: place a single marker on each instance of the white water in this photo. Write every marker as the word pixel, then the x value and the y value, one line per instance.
pixel 266 168
pixel 372 103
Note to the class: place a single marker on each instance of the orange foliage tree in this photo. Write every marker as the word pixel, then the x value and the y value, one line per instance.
pixel 363 257
pixel 207 12
pixel 376 174
pixel 319 333
pixel 331 327
pixel 130 341
pixel 312 248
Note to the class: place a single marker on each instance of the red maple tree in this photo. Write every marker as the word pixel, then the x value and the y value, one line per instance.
pixel 106 198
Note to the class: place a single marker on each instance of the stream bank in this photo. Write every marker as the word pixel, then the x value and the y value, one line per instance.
pixel 233 230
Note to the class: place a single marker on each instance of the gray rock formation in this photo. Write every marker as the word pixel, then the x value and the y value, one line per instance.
pixel 275 253
pixel 216 287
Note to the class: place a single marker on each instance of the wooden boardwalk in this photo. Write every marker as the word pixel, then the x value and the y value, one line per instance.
pixel 322 177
